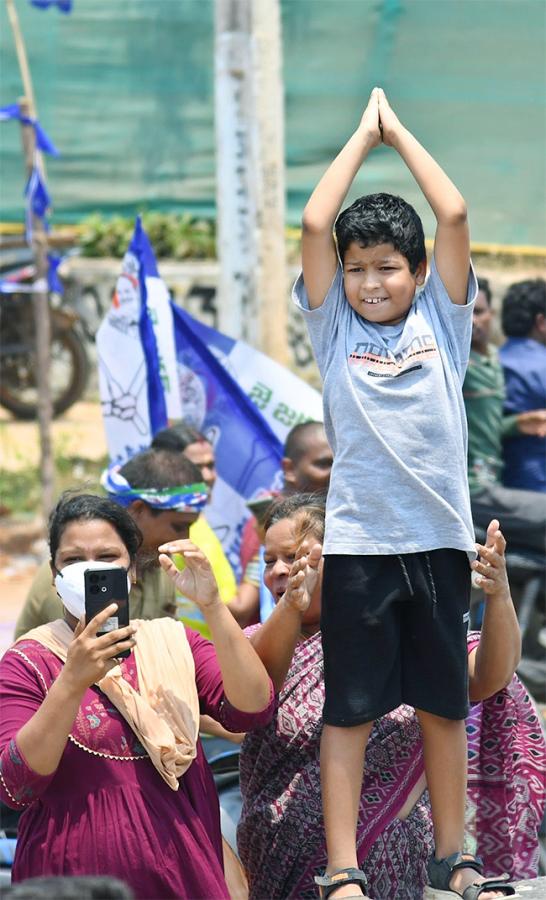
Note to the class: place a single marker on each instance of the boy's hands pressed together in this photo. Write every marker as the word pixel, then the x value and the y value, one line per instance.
pixel 369 123
pixel 452 239
pixel 389 122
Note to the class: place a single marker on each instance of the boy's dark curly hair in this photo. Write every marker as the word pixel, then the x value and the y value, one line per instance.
pixel 523 302
pixel 382 219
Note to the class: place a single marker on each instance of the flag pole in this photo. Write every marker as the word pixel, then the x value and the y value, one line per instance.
pixel 21 56
pixel 24 69
pixel 40 296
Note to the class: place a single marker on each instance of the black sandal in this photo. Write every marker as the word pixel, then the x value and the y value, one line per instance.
pixel 330 883
pixel 440 872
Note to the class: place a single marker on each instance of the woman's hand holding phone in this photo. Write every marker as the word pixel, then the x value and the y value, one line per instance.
pixel 89 657
pixel 196 580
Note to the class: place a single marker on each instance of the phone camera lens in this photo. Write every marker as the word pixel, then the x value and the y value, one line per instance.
pixel 93 579
pixel 94 588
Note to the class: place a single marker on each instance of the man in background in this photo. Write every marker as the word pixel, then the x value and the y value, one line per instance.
pixel 522 514
pixel 190 443
pixel 523 358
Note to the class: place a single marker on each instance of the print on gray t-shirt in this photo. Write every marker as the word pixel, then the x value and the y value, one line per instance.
pixel 395 419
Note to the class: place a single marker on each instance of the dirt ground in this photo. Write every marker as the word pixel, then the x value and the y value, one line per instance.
pixel 79 432
pixel 14 587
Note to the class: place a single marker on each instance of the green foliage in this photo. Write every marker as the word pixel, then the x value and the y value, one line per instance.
pixel 105 237
pixel 20 490
pixel 172 236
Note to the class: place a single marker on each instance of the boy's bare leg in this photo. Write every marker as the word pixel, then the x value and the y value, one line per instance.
pixel 446 762
pixel 341 770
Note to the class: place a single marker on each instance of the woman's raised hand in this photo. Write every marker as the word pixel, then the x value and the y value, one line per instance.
pixel 303 576
pixel 90 658
pixel 196 580
pixel 490 568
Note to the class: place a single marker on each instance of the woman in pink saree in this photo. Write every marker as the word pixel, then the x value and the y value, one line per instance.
pixel 281 834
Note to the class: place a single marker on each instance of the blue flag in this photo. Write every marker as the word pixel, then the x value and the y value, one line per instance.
pixel 38 201
pixel 141 248
pixel 248 453
pixel 136 355
pixel 158 365
pixel 64 6
pixel 43 141
pixel 54 283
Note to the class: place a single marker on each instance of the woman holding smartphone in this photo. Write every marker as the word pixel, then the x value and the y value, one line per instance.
pixel 102 753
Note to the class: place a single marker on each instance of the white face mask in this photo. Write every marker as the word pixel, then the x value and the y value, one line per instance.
pixel 70 584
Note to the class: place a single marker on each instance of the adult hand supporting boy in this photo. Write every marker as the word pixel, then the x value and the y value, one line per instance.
pixel 319 255
pixel 452 239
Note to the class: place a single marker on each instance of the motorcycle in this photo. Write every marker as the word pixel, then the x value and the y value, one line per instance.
pixel 69 368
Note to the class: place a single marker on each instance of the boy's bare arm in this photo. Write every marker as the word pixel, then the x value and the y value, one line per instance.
pixel 319 257
pixel 452 240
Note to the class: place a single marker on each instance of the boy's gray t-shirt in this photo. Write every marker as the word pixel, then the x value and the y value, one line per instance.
pixel 395 420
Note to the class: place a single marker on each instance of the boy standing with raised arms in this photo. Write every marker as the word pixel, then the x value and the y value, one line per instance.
pixel 399 532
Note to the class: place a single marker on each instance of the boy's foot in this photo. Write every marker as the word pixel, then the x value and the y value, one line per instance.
pixel 345 884
pixel 461 875
pixel 462 878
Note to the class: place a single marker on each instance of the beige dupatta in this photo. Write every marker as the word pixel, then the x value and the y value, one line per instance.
pixel 164 713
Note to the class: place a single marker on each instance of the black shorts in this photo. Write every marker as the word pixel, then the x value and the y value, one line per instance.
pixel 394 631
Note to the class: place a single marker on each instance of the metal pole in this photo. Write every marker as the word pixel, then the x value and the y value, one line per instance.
pixel 40 298
pixel 24 69
pixel 42 334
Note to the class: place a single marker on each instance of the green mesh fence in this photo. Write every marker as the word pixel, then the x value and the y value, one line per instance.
pixel 125 90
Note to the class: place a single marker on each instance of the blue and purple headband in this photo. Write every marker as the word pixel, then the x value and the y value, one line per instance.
pixel 183 498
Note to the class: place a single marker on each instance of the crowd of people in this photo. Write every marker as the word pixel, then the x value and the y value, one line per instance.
pixel 387 751
pixel 505 400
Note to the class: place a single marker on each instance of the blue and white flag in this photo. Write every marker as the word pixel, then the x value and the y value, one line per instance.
pixel 64 6
pixel 38 202
pixel 243 402
pixel 248 452
pixel 279 397
pixel 283 399
pixel 54 283
pixel 136 355
pixel 11 284
pixel 43 141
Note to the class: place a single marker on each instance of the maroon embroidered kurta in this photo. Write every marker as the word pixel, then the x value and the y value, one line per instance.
pixel 106 810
